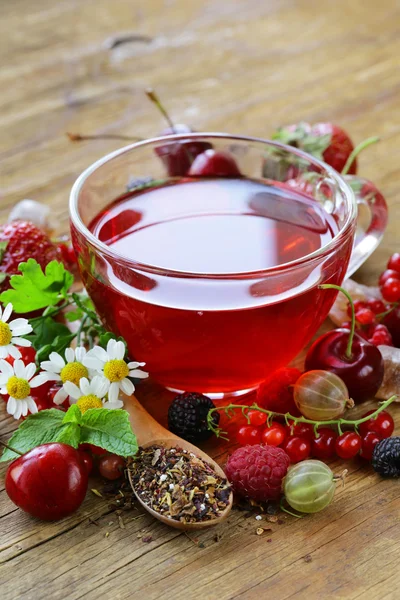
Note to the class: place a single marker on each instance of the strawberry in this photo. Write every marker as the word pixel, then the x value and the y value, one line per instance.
pixel 325 141
pixel 20 240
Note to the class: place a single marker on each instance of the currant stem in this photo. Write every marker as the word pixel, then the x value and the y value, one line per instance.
pixel 78 137
pixel 356 152
pixel 290 418
pixel 332 286
pixel 11 449
pixel 151 94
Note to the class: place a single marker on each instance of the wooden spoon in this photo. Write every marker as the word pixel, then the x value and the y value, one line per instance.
pixel 148 433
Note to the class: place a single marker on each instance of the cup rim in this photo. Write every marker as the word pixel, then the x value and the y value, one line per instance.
pixel 104 249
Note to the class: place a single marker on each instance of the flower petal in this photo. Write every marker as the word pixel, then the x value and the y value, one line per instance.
pixel 19 368
pixel 127 386
pixel 20 341
pixel 57 359
pixel 85 386
pixel 24 407
pixel 30 370
pixel 111 348
pixel 69 355
pixel 13 351
pixel 3 351
pixel 91 362
pixel 60 396
pixel 6 368
pixel 11 405
pixel 100 386
pixel 49 365
pixel 113 391
pixel 7 312
pixel 99 353
pixel 119 350
pixel 31 405
pixel 135 365
pixel 138 374
pixel 116 404
pixel 21 330
pixel 18 410
pixel 80 353
pixel 19 323
pixel 38 380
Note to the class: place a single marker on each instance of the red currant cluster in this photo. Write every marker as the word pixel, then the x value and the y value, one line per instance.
pixel 300 442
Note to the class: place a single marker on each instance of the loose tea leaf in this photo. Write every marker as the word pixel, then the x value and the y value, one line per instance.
pixel 178 484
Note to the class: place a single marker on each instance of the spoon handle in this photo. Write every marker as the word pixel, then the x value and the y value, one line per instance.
pixel 143 424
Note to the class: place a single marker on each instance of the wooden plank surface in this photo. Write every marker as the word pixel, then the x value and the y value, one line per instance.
pixel 242 66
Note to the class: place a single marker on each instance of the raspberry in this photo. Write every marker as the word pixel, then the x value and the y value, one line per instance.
pixel 276 393
pixel 25 240
pixel 187 416
pixel 257 471
pixel 386 457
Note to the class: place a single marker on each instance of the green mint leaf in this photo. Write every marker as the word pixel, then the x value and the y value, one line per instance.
pixel 3 248
pixel 46 331
pixel 35 289
pixel 40 428
pixel 70 434
pixel 73 415
pixel 110 429
pixel 74 315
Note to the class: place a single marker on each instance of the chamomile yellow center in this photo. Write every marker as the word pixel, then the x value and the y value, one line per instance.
pixel 5 334
pixel 89 401
pixel 116 370
pixel 18 388
pixel 73 371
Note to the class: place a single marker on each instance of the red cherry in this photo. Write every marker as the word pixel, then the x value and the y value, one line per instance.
pixel 382 424
pixel 95 450
pixel 296 448
pixel 87 461
pixel 358 305
pixel 388 274
pixel 368 443
pixel 391 290
pixel 178 156
pixel 303 430
pixel 111 466
pixel 362 372
pixel 394 262
pixel 392 322
pixel 323 446
pixel 365 316
pixel 348 444
pixel 48 482
pixel 257 417
pixel 214 164
pixel 274 435
pixel 247 434
pixel 381 338
pixel 377 306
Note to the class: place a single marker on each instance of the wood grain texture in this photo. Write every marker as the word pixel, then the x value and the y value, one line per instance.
pixel 242 66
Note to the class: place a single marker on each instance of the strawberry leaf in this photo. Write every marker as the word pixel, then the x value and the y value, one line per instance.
pixel 35 289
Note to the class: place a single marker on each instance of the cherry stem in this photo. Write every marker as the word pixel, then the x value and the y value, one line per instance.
pixel 229 408
pixel 78 137
pixel 151 94
pixel 11 449
pixel 332 286
pixel 356 152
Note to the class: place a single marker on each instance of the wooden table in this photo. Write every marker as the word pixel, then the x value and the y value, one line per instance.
pixel 242 66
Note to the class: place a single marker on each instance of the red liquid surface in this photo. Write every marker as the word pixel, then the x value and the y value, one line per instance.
pixel 210 334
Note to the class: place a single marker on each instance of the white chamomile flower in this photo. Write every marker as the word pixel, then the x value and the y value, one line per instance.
pixel 10 333
pixel 69 369
pixel 110 363
pixel 90 394
pixel 16 381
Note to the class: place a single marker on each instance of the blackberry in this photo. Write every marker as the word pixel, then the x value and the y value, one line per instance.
pixel 187 416
pixel 386 457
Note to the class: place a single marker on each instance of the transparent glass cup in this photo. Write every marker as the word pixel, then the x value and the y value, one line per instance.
pixel 219 333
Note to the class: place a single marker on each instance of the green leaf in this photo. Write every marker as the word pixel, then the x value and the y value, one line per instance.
pixel 70 434
pixel 3 248
pixel 110 429
pixel 74 315
pixel 41 428
pixel 73 415
pixel 83 302
pixel 46 331
pixel 35 289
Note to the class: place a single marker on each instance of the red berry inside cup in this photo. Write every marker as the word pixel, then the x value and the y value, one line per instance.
pixel 48 482
pixel 212 163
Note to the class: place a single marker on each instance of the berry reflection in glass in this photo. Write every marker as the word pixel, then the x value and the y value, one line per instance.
pixel 200 286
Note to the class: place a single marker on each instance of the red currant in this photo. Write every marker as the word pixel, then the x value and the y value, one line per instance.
pixel 257 418
pixel 381 338
pixel 274 435
pixel 388 274
pixel 377 306
pixel 348 444
pixel 296 448
pixel 303 430
pixel 358 305
pixel 323 446
pixel 382 424
pixel 368 443
pixel 394 262
pixel 365 316
pixel 247 434
pixel 391 290
pixel 87 461
pixel 111 466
